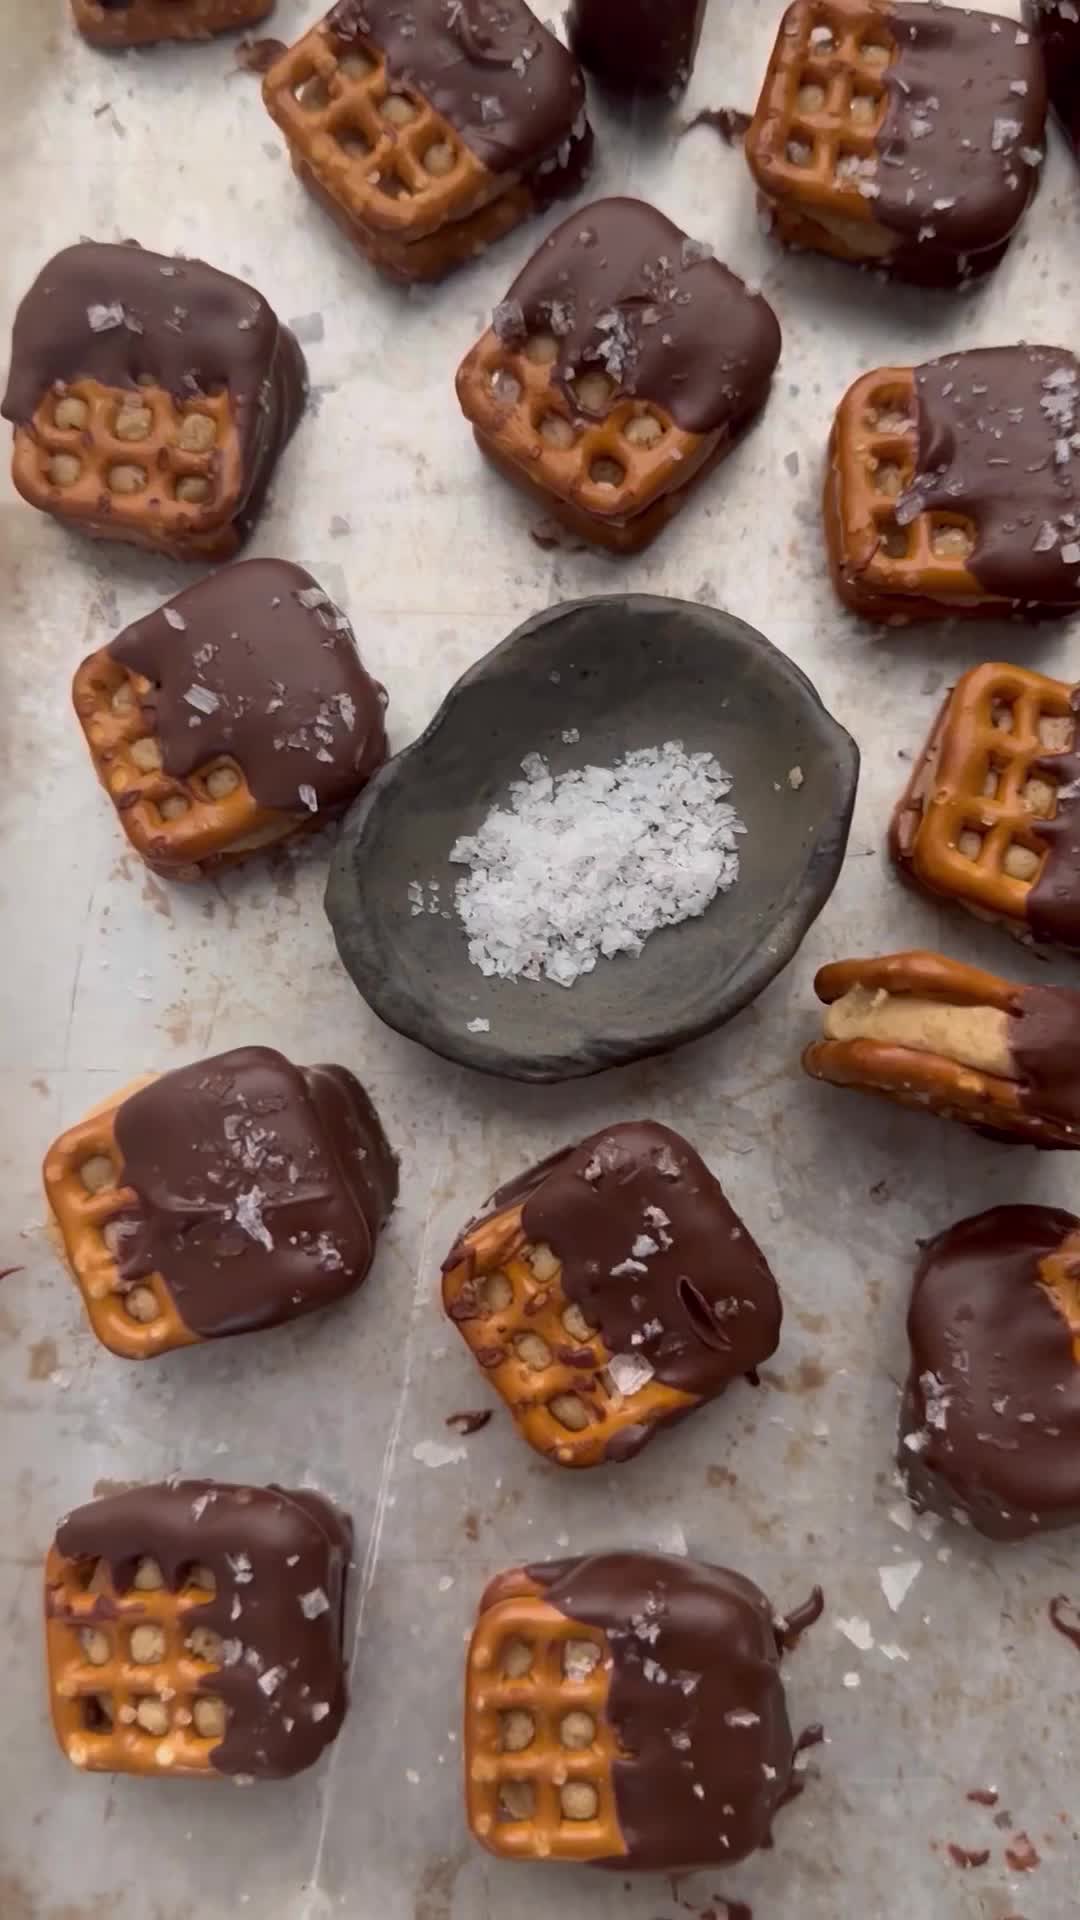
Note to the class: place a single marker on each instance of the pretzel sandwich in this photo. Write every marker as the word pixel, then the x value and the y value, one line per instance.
pixel 138 23
pixel 606 1698
pixel 150 399
pixel 934 1033
pixel 905 137
pixel 950 487
pixel 430 132
pixel 990 1423
pixel 624 362
pixel 611 1291
pixel 223 1197
pixel 987 815
pixel 236 716
pixel 194 1628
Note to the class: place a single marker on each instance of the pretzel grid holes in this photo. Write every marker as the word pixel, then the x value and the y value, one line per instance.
pixel 149 1676
pixel 542 1751
pixel 394 134
pixel 837 101
pixel 117 423
pixel 1004 841
pixel 99 1176
pixel 889 454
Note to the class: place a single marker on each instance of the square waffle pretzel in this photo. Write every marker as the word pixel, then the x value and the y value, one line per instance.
pixel 506 1300
pixel 880 568
pixel 179 827
pixel 82 1173
pixel 967 826
pixel 128 1694
pixel 617 480
pixel 538 1745
pixel 394 171
pixel 813 137
pixel 129 464
pixel 140 22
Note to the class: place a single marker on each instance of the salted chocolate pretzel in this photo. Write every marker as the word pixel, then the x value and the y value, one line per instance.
pixel 230 1195
pixel 235 717
pixel 988 818
pixel 610 1291
pixel 150 398
pixel 904 137
pixel 627 1710
pixel 429 132
pixel 952 488
pixel 990 1422
pixel 933 1033
pixel 194 1628
pixel 138 23
pixel 623 364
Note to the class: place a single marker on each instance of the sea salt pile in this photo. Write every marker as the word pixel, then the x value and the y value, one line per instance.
pixel 588 863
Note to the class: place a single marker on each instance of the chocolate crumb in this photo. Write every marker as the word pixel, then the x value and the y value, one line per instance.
pixel 469 1422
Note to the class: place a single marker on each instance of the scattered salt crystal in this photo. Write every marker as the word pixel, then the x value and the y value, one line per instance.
pixel 630 1372
pixel 857 1630
pixel 570 737
pixel 695 250
pixel 314 597
pixel 902 1516
pixel 1045 539
pixel 479 1026
pixel 699 1789
pixel 897 1581
pixel 508 321
pixel 1004 131
pixel 1071 554
pixel 103 318
pixel 446 1583
pixel 314 1603
pixel 586 864
pixel 936 1398
pixel 412 1776
pixel 795 778
pixel 892 1652
pixel 248 1214
pixel 852 1680
pixel 241 1567
pixel 666 1164
pixel 270 1681
pixel 742 1718
pixel 309 797
pixel 435 1453
pixel 643 1246
pixel 320 1710
pixel 203 699
pixel 174 619
pixel 199 1506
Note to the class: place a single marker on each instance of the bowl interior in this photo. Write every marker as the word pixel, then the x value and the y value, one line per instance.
pixel 624 672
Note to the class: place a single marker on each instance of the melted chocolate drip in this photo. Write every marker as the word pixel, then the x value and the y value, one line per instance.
pixel 796 1622
pixel 696 1701
pixel 113 313
pixel 994 444
pixel 1044 1038
pixel 260 1188
pixel 289 698
pixel 625 290
pixel 993 1398
pixel 637 45
pixel 270 1551
pixel 1066 1618
pixel 966 102
pixel 1053 905
pixel 487 66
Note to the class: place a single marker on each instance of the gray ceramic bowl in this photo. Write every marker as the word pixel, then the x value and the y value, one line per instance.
pixel 626 670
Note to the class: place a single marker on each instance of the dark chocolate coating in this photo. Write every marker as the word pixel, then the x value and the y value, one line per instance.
pixel 966 99
pixel 694 1649
pixel 261 1187
pixel 624 289
pixel 193 329
pixel 641 46
pixel 1044 1038
pixel 488 67
pixel 993 1398
pixel 1053 905
pixel 995 429
pixel 295 706
pixel 697 1300
pixel 268 1548
pixel 1057 23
